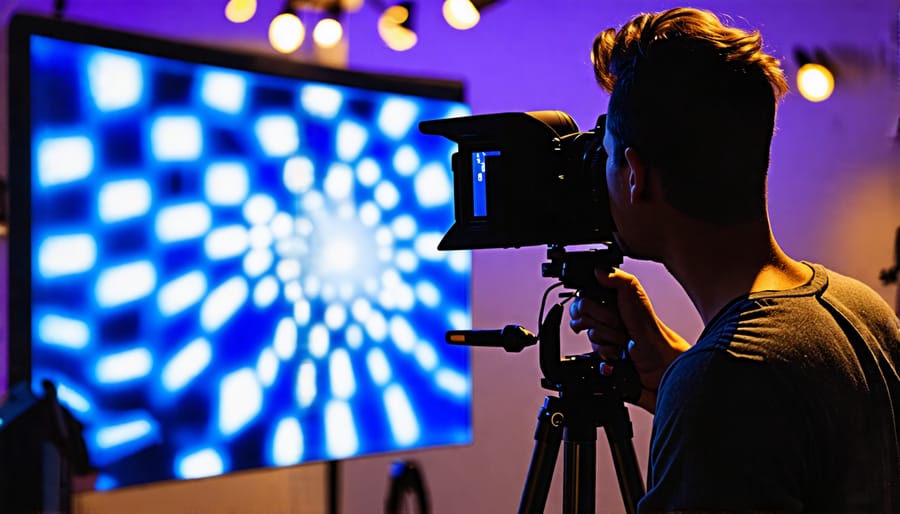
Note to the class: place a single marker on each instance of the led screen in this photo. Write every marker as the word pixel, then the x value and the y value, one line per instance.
pixel 233 269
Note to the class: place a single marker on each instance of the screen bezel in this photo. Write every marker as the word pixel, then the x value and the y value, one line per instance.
pixel 23 26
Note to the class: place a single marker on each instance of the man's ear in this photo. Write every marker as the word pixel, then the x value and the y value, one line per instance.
pixel 638 186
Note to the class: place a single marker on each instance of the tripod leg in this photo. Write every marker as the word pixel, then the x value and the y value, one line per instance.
pixel 619 434
pixel 579 477
pixel 547 437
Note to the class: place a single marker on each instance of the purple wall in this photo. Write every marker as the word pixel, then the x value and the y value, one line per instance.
pixel 834 183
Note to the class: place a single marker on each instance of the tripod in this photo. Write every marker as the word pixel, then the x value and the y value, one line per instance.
pixel 591 395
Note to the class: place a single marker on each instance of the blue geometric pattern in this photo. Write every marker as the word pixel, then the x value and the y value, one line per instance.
pixel 234 270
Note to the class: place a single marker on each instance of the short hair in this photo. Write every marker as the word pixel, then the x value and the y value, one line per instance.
pixel 697 100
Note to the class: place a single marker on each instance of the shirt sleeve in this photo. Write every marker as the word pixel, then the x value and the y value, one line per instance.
pixel 722 439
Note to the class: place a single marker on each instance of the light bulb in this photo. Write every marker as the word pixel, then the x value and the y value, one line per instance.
pixel 391 29
pixel 328 32
pixel 815 82
pixel 286 33
pixel 461 14
pixel 239 11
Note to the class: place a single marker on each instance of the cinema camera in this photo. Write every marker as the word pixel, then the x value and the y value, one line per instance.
pixel 531 178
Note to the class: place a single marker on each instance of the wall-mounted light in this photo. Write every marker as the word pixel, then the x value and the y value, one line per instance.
pixel 286 31
pixel 815 76
pixel 328 32
pixel 395 27
pixel 464 14
pixel 240 11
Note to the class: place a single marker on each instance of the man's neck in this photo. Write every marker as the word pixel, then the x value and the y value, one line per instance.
pixel 717 264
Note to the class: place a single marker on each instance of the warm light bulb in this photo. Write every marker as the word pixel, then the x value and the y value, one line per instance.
pixel 328 32
pixel 461 14
pixel 286 33
pixel 239 11
pixel 815 82
pixel 351 5
pixel 391 29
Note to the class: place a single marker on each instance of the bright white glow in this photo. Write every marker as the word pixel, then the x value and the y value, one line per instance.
pixel 288 269
pixel 62 331
pixel 293 292
pixel 459 320
pixel 369 214
pixel 259 209
pixel 453 382
pixel 124 366
pixel 426 246
pixel 402 333
pixel 404 425
pixel 379 367
pixel 301 312
pixel 376 326
pixel 176 138
pixel 258 262
pixel 265 292
pixel 260 237
pixel 396 117
pixel 72 399
pixel 322 101
pixel 351 138
pixel 387 195
pixel 299 174
pixel 64 159
pixel 116 435
pixel 339 182
pixel 432 186
pixel 340 374
pixel 240 400
pixel 203 463
pixel 368 172
pixel 226 242
pixel 285 343
pixel 305 390
pixel 354 337
pixel 185 365
pixel 815 82
pixel 281 226
pixel 116 81
pixel 404 226
pixel 328 32
pixel 406 160
pixel 226 183
pixel 125 283
pixel 460 261
pixel 65 255
pixel 335 316
pixel 267 367
pixel 286 33
pixel 240 11
pixel 224 91
pixel 428 294
pixel 313 201
pixel 319 341
pixel 287 444
pixel 278 135
pixel 123 199
pixel 222 303
pixel 182 222
pixel 460 14
pixel 426 356
pixel 361 309
pixel 341 439
pixel 339 256
pixel 406 261
pixel 182 292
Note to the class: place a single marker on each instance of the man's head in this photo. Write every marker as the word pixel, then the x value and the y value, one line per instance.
pixel 696 101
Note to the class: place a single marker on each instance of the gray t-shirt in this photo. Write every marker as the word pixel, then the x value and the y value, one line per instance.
pixel 787 403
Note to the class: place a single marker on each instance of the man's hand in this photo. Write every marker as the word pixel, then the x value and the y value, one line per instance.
pixel 629 323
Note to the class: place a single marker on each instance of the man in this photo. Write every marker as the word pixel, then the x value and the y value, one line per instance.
pixel 788 402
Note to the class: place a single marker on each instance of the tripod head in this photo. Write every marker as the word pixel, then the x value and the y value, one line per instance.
pixel 586 372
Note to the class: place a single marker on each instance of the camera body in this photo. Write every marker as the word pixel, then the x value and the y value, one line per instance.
pixel 525 178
